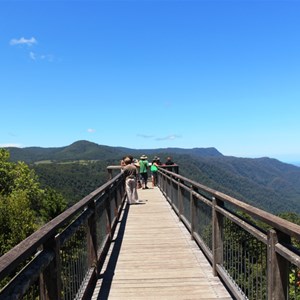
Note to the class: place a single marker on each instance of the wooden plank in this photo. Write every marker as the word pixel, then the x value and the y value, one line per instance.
pixel 153 257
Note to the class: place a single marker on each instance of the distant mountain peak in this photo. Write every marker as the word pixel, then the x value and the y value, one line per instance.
pixel 82 142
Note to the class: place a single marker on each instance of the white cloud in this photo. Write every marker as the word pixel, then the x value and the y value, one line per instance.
pixel 168 138
pixel 32 55
pixel 165 138
pixel 35 56
pixel 47 57
pixel 23 41
pixel 90 130
pixel 145 136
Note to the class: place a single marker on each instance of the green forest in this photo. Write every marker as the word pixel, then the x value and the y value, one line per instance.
pixel 77 169
pixel 24 204
pixel 74 180
pixel 36 184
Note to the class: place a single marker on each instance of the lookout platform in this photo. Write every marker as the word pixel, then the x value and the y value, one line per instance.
pixel 152 256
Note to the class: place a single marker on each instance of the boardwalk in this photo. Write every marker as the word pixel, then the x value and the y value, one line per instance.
pixel 153 257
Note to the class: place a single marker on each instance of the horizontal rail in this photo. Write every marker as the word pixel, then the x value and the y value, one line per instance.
pixel 249 248
pixel 276 222
pixel 73 243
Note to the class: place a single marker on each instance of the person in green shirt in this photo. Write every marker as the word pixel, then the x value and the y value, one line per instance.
pixel 154 169
pixel 144 166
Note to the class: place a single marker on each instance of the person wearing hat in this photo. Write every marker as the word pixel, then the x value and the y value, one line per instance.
pixel 144 165
pixel 130 172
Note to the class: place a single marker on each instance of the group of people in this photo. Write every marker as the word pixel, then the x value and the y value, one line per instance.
pixel 136 174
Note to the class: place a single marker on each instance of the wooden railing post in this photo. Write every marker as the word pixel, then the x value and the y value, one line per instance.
pixel 176 169
pixel 278 269
pixel 92 237
pixel 115 196
pixel 180 199
pixel 50 279
pixel 193 210
pixel 108 215
pixel 110 170
pixel 165 185
pixel 217 238
pixel 169 193
pixel 173 188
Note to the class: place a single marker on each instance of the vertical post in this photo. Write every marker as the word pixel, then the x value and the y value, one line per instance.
pixel 217 238
pixel 50 279
pixel 176 169
pixel 92 237
pixel 159 178
pixel 109 173
pixel 192 210
pixel 175 188
pixel 115 196
pixel 172 191
pixel 165 184
pixel 108 216
pixel 278 269
pixel 180 201
pixel 168 187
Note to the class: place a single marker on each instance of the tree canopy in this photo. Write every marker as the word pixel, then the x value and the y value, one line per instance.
pixel 24 205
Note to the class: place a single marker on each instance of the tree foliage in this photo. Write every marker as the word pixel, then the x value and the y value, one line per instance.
pixel 73 180
pixel 262 182
pixel 24 205
pixel 16 219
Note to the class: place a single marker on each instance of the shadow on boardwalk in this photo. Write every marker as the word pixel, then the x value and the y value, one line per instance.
pixel 153 257
pixel 107 276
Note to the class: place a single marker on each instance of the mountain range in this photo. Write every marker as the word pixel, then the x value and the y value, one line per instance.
pixel 85 150
pixel 263 182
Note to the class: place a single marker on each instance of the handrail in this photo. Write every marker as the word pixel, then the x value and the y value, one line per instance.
pixel 252 253
pixel 101 207
pixel 285 226
pixel 250 249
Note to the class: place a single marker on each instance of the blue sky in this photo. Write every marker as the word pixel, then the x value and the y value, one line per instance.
pixel 152 74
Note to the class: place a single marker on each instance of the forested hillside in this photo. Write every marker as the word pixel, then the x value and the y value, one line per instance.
pixel 81 150
pixel 78 169
pixel 265 183
pixel 84 150
pixel 24 204
pixel 73 180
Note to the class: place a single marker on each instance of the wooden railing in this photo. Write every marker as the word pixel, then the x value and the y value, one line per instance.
pixel 61 259
pixel 252 250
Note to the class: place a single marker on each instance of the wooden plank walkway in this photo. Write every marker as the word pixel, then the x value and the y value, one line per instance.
pixel 153 257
